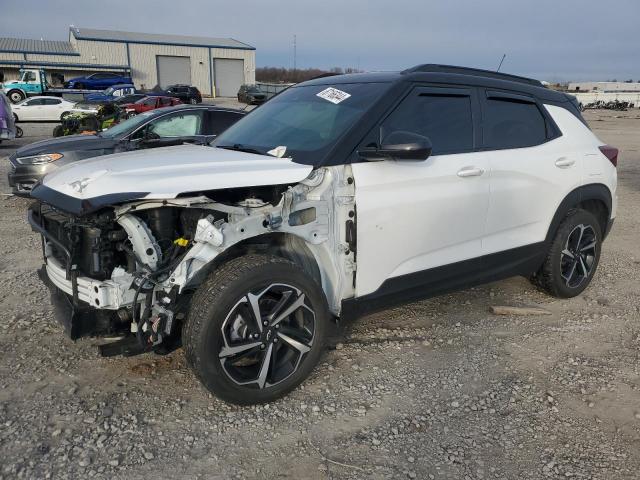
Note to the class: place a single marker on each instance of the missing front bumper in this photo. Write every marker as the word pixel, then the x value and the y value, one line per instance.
pixel 77 320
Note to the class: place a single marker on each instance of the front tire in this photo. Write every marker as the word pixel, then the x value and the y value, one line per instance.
pixel 256 329
pixel 573 257
pixel 16 96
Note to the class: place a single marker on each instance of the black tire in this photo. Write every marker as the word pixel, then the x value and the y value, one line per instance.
pixel 16 96
pixel 193 101
pixel 15 118
pixel 220 309
pixel 58 131
pixel 19 132
pixel 573 257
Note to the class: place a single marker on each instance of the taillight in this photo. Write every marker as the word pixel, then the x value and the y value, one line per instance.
pixel 611 153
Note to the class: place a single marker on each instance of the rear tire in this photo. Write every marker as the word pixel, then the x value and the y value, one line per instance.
pixel 573 257
pixel 245 360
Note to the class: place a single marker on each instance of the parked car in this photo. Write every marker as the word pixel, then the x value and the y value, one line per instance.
pixel 156 128
pixel 47 109
pixel 97 81
pixel 184 93
pixel 251 94
pixel 7 121
pixel 90 106
pixel 149 103
pixel 338 196
pixel 111 94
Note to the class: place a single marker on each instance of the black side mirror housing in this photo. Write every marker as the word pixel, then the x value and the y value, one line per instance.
pixel 399 145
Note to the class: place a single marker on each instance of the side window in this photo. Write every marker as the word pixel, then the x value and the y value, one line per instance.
pixel 52 101
pixel 220 121
pixel 445 119
pixel 150 102
pixel 510 123
pixel 177 125
pixel 35 101
pixel 165 102
pixel 29 77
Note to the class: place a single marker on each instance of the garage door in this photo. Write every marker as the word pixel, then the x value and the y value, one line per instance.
pixel 229 75
pixel 172 70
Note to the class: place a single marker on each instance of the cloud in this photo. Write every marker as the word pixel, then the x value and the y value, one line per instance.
pixel 545 39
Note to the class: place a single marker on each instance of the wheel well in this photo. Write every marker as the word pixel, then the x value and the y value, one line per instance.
pixel 284 245
pixel 599 210
pixel 594 198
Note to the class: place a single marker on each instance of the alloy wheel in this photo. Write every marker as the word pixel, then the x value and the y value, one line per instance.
pixel 578 257
pixel 266 336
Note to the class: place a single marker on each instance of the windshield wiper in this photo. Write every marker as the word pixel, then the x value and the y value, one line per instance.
pixel 240 148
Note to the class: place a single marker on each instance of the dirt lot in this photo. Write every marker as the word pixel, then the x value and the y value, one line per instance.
pixel 437 389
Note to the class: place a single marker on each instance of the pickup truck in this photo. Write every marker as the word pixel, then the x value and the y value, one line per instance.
pixel 34 82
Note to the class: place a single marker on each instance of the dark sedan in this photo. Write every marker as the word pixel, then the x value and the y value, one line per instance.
pixel 184 93
pixel 251 95
pixel 156 128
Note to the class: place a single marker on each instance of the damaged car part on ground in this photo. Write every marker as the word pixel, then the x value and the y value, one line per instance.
pixel 341 195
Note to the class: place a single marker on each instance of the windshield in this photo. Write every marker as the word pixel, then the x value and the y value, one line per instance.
pixel 126 127
pixel 307 120
pixel 109 91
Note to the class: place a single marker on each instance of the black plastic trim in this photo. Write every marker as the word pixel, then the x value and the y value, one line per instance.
pixel 78 206
pixel 448 278
pixel 594 191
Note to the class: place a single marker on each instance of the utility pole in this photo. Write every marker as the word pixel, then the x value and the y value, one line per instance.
pixel 294 53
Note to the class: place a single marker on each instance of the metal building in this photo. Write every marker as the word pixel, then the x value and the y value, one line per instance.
pixel 217 66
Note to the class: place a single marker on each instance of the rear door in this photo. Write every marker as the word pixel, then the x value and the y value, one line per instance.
pixel 531 171
pixel 52 109
pixel 416 216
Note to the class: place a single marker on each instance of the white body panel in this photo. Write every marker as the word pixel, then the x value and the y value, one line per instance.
pixel 25 111
pixel 528 184
pixel 167 172
pixel 416 215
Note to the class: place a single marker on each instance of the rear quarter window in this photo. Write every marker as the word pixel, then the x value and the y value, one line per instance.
pixel 509 123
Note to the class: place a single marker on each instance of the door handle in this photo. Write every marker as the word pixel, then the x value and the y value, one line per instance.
pixel 470 172
pixel 564 162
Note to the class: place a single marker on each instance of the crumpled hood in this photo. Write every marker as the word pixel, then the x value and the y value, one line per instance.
pixel 163 173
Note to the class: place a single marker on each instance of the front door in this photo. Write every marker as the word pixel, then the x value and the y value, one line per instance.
pixel 413 216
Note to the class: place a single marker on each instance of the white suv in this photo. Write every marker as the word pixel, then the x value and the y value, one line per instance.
pixel 339 196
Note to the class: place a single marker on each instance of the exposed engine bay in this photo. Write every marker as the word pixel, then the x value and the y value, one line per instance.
pixel 130 269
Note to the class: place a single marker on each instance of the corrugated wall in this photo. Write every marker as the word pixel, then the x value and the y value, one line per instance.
pixel 144 68
pixel 99 53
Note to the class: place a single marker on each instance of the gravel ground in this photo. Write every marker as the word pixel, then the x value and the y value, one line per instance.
pixel 440 389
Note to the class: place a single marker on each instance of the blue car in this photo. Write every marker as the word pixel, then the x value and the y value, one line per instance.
pixel 111 94
pixel 97 81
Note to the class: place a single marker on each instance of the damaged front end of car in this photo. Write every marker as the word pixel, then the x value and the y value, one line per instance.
pixel 129 269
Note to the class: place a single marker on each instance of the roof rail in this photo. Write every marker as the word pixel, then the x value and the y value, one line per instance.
pixel 435 68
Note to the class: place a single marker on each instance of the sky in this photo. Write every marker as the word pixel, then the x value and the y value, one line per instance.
pixel 553 40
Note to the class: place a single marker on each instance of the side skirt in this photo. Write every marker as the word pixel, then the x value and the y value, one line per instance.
pixel 448 278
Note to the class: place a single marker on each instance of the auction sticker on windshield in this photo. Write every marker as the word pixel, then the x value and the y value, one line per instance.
pixel 333 95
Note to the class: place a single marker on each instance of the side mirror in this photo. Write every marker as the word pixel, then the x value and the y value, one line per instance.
pixel 399 145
